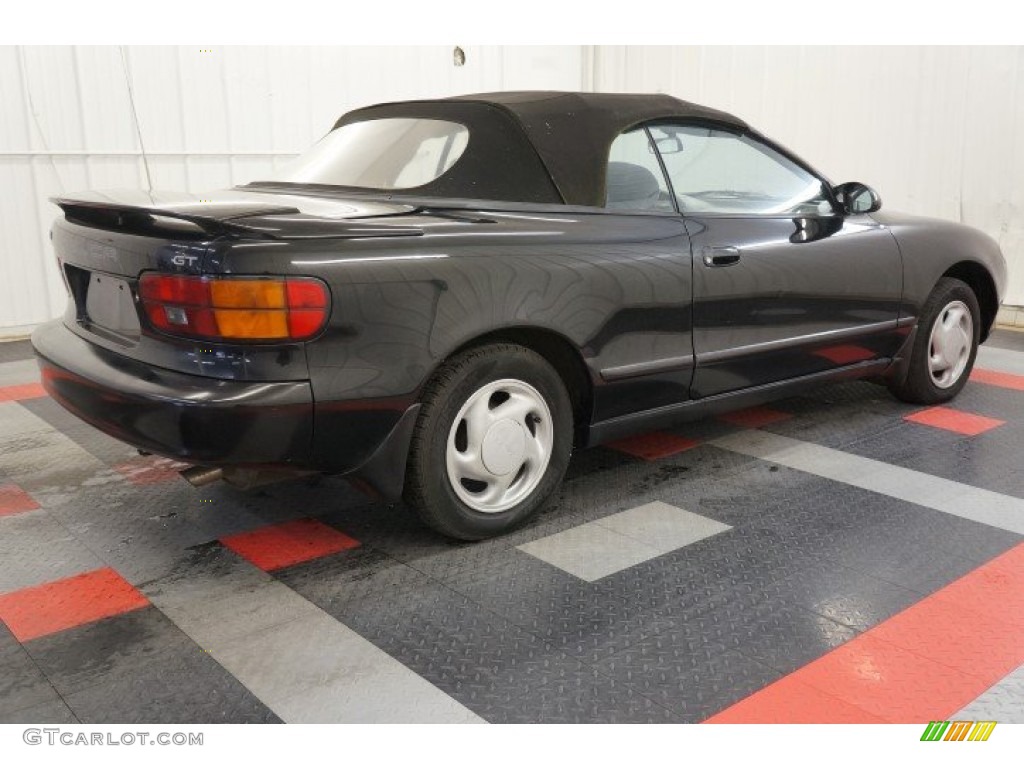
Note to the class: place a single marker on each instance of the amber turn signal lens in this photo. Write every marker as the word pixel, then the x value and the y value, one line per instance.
pixel 248 294
pixel 235 308
pixel 252 324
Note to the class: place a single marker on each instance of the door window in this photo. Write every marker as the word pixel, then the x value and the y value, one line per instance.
pixel 635 181
pixel 715 171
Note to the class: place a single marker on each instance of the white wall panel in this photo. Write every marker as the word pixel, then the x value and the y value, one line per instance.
pixel 938 131
pixel 208 120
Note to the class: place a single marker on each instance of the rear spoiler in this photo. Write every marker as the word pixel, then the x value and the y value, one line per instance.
pixel 163 222
pixel 154 220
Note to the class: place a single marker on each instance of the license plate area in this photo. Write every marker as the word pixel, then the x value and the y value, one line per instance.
pixel 110 309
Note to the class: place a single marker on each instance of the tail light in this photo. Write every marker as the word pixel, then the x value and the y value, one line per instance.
pixel 235 308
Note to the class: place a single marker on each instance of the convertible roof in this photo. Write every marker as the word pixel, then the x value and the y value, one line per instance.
pixel 539 146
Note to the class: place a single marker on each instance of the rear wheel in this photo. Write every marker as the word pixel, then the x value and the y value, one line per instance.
pixel 945 346
pixel 491 444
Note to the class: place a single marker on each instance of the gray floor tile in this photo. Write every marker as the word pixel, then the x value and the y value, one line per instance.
pixel 1003 702
pixel 590 551
pixel 662 526
pixel 314 669
pixel 18 372
pixel 23 540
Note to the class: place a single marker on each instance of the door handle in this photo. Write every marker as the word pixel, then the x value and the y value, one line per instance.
pixel 720 255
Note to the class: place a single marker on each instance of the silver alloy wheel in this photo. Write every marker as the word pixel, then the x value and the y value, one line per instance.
pixel 499 445
pixel 949 347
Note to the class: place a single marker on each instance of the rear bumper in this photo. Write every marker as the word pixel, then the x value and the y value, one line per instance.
pixel 192 418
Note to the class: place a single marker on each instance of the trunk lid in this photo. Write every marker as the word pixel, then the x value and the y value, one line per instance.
pixel 105 240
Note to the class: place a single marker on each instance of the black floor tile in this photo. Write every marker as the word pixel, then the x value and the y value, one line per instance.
pixel 51 712
pixel 22 683
pixel 111 648
pixel 692 685
pixel 170 691
pixel 847 597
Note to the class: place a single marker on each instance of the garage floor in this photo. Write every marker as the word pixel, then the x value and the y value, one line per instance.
pixel 837 557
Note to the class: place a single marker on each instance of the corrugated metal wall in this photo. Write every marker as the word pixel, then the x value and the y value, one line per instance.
pixel 936 130
pixel 208 119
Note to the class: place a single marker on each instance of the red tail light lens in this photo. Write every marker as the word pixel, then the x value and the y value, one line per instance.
pixel 235 308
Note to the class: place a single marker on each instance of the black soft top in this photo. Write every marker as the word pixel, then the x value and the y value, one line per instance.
pixel 538 146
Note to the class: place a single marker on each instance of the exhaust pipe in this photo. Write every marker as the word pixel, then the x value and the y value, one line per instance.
pixel 240 477
pixel 199 476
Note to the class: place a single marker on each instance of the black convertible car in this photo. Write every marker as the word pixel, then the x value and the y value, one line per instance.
pixel 441 298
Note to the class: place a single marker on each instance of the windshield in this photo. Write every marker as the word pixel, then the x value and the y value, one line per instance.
pixel 389 153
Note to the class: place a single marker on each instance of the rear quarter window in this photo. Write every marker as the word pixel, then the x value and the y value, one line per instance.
pixel 386 153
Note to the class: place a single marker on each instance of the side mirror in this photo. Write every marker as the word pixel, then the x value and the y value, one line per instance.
pixel 856 198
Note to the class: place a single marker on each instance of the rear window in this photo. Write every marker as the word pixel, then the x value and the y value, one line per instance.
pixel 389 153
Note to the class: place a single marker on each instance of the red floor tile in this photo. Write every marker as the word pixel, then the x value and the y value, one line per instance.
pixel 21 392
pixel 656 445
pixel 845 354
pixel 998 379
pixel 996 589
pixel 48 608
pixel 14 500
pixel 890 682
pixel 278 546
pixel 794 702
pixel 755 418
pixel 947 632
pixel 953 420
pixel 925 663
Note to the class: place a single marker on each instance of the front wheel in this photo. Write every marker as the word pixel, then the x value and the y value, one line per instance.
pixel 945 346
pixel 492 442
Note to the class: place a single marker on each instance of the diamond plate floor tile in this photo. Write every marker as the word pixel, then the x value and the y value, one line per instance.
pixel 693 686
pixel 114 647
pixel 324 672
pixel 1005 338
pixel 789 637
pixel 889 682
pixel 18 372
pixel 138 531
pixel 54 712
pixel 39 458
pixel 593 461
pixel 590 551
pixel 213 595
pixel 23 540
pixel 20 349
pixel 1000 358
pixel 499 670
pixel 168 691
pixel 851 598
pixel 105 448
pixel 1003 702
pixel 22 683
pixel 353 576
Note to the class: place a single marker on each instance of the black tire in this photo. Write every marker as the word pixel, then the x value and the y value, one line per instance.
pixel 918 386
pixel 428 489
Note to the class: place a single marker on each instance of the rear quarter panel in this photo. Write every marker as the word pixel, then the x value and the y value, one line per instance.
pixel 616 287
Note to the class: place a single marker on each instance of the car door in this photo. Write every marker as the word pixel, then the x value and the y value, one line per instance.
pixel 643 350
pixel 784 284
